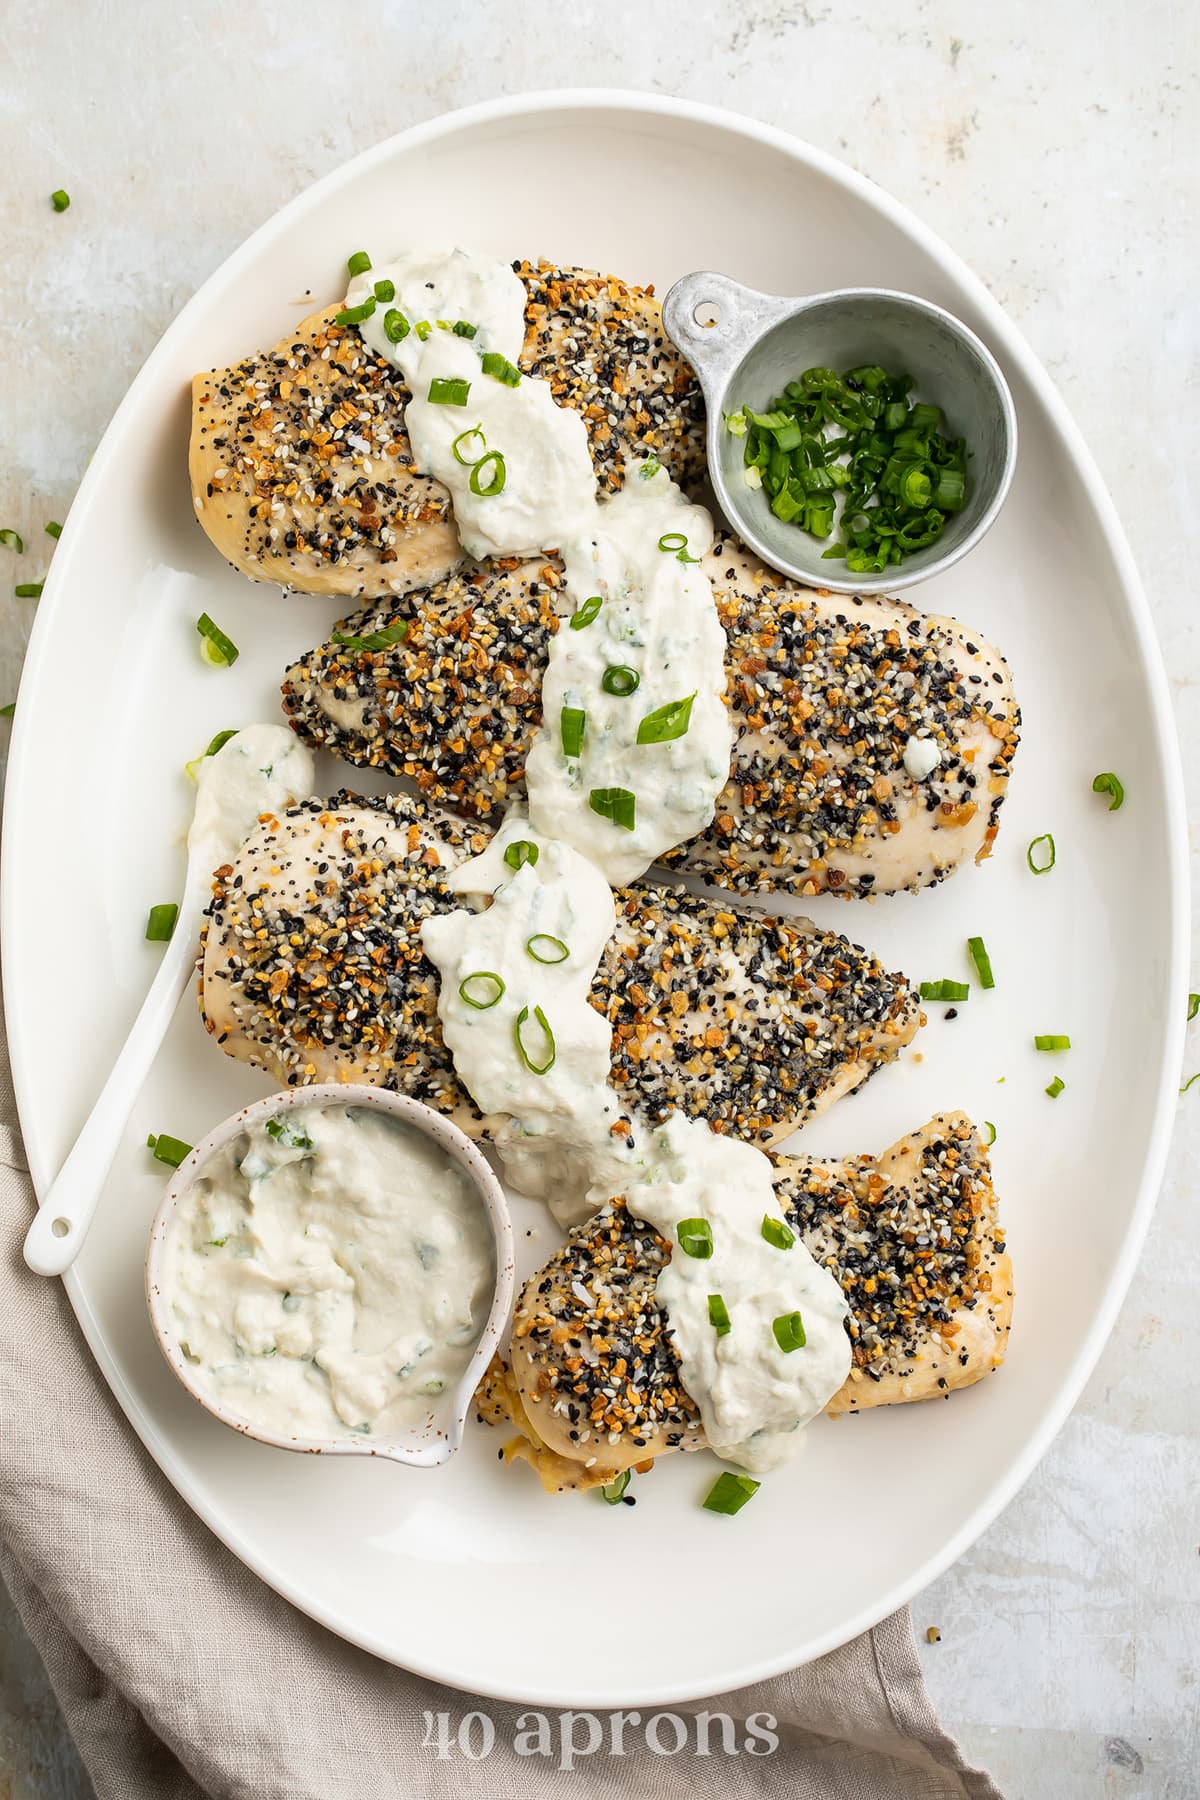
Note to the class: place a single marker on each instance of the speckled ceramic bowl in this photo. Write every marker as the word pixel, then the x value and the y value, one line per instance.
pixel 746 346
pixel 435 1440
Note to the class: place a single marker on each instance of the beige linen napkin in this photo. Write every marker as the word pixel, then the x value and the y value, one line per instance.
pixel 181 1675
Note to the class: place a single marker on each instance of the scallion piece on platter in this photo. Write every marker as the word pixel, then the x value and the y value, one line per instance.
pixel 384 291
pixel 215 647
pixel 1041 854
pixel 395 326
pixel 1110 784
pixel 551 1051
pixel 546 949
pixel 945 990
pixel 729 1493
pixel 613 1491
pixel 171 1150
pixel 695 1238
pixel 481 989
pixel 982 961
pixel 572 723
pixel 12 540
pixel 471 456
pixel 777 1233
pixel 53 529
pixel 448 390
pixel 990 1139
pixel 520 852
pixel 487 487
pixel 789 1332
pixel 60 199
pixel 383 639
pixel 1056 1087
pixel 500 369
pixel 621 680
pixel 617 804
pixel 355 315
pixel 718 1315
pixel 1052 1041
pixel 586 613
pixel 359 263
pixel 161 922
pixel 29 590
pixel 666 722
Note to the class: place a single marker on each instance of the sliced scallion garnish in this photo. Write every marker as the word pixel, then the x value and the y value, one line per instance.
pixel 1040 860
pixel 359 263
pixel 384 291
pixel 481 979
pixel 215 647
pixel 6 712
pixel 488 488
pixel 945 990
pixel 666 722
pixel 586 613
pixel 395 326
pixel 355 315
pixel 613 1491
pixel 777 1233
pixel 221 739
pixel 448 390
pixel 695 1238
pixel 650 468
pixel 12 540
pixel 718 1315
pixel 571 725
pixel 29 590
pixel 383 639
pixel 1056 1087
pixel 1052 1041
pixel 53 529
pixel 617 804
pixel 292 1137
pixel 171 1150
pixel 991 1133
pixel 161 922
pixel 546 949
pixel 472 457
pixel 422 329
pixel 535 1068
pixel 1110 784
pixel 982 961
pixel 729 1493
pixel 1190 1082
pixel 60 199
pixel 621 680
pixel 1193 1005
pixel 674 543
pixel 789 1332
pixel 520 852
pixel 500 369
pixel 463 328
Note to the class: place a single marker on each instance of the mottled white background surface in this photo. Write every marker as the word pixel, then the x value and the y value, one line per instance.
pixel 1054 143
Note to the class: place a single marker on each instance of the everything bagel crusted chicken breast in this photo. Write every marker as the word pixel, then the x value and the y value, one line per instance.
pixel 872 742
pixel 301 468
pixel 594 1384
pixel 313 968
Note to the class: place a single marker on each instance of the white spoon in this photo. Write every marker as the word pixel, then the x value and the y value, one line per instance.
pixel 258 770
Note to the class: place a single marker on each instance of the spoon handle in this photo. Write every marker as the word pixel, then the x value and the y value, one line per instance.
pixel 66 1210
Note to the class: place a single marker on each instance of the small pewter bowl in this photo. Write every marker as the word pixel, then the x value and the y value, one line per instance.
pixel 746 346
pixel 436 1438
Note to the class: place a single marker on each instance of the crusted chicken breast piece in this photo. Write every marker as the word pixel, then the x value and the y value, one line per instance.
pixel 594 1384
pixel 313 969
pixel 872 742
pixel 301 468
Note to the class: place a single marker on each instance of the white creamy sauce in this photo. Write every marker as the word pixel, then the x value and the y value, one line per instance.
pixel 921 757
pixel 332 1280
pixel 634 750
pixel 261 769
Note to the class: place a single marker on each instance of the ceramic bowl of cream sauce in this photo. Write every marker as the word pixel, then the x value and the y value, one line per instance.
pixel 330 1270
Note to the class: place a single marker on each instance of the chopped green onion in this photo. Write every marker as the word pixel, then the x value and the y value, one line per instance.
pixel 1190 1082
pixel 161 922
pixel 945 990
pixel 214 645
pixel 586 613
pixel 777 1233
pixel 385 291
pixel 292 1137
pixel 991 1133
pixel 789 1332
pixel 621 680
pixel 383 639
pixel 468 461
pixel 53 529
pixel 500 369
pixel 359 263
pixel 354 315
pixel 674 543
pixel 493 989
pixel 718 1315
pixel 666 722
pixel 396 327
pixel 1056 1087
pixel 613 1491
pixel 982 961
pixel 448 390
pixel 571 724
pixel 12 540
pixel 170 1150
pixel 695 1238
pixel 60 199
pixel 495 482
pixel 1193 1005
pixel 462 328
pixel 1041 861
pixel 1110 785
pixel 736 424
pixel 29 590
pixel 729 1493
pixel 650 468
pixel 535 1068
pixel 520 852
pixel 218 743
pixel 1052 1041
pixel 422 329
pixel 617 804
pixel 540 938
pixel 6 712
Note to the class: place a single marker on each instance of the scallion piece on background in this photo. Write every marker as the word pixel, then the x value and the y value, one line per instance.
pixel 488 989
pixel 161 922
pixel 777 1233
pixel 354 315
pixel 520 852
pixel 535 1068
pixel 613 1491
pixel 1056 1087
pixel 1190 1082
pixel 718 1315
pixel 53 529
pixel 215 647
pixel 621 680
pixel 982 961
pixel 729 1493
pixel 221 739
pixel 586 613
pixel 666 722
pixel 448 390
pixel 1041 854
pixel 572 723
pixel 6 712
pixel 1052 1041
pixel 383 639
pixel 617 804
pixel 171 1150
pixel 695 1238
pixel 1110 784
pixel 29 590
pixel 359 263
pixel 789 1332
pixel 12 540
pixel 945 990
pixel 1193 1005
pixel 60 199
pixel 991 1133
pixel 546 949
